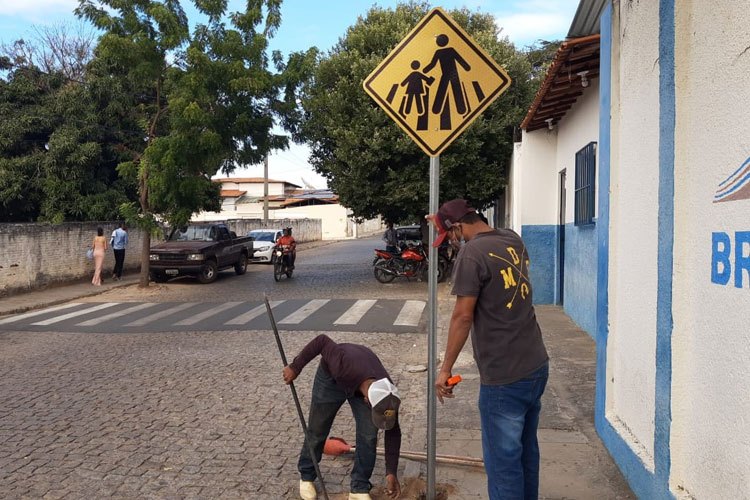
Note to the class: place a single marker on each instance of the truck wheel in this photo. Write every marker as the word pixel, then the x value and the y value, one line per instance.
pixel 241 266
pixel 208 272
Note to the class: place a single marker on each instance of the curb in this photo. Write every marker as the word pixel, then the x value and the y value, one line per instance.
pixel 54 302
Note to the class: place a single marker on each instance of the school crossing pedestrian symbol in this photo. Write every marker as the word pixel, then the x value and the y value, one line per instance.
pixel 436 82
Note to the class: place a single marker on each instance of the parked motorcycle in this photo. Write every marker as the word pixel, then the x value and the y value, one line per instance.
pixel 281 264
pixel 410 263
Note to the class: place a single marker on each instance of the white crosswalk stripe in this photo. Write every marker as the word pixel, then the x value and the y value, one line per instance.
pixel 75 314
pixel 363 315
pixel 253 313
pixel 161 314
pixel 304 312
pixel 19 317
pixel 116 314
pixel 207 314
pixel 355 312
pixel 410 313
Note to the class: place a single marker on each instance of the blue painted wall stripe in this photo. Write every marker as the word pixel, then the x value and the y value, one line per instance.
pixel 644 483
pixel 602 281
pixel 665 256
pixel 542 244
pixel 580 281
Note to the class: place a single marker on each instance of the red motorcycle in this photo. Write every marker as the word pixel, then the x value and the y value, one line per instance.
pixel 411 263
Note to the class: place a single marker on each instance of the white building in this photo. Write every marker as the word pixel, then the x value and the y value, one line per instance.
pixel 243 198
pixel 553 179
pixel 672 238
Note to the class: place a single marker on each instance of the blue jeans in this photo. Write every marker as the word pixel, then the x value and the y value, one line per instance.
pixel 510 416
pixel 327 398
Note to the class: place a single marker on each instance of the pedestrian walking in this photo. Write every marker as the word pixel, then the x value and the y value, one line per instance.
pixel 119 242
pixel 391 239
pixel 491 282
pixel 351 373
pixel 99 245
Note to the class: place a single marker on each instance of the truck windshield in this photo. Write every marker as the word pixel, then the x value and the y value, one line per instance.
pixel 264 236
pixel 194 233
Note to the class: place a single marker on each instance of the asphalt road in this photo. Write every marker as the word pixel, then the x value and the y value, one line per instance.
pixel 339 270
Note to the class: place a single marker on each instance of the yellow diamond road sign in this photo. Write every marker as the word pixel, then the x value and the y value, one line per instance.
pixel 436 82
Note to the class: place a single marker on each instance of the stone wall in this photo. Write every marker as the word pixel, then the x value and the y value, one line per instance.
pixel 302 229
pixel 37 255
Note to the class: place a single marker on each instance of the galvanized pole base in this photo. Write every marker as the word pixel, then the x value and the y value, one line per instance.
pixel 432 335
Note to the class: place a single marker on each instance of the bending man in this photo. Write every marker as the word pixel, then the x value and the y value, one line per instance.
pixel 352 373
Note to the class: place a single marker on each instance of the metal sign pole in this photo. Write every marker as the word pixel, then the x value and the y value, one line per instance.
pixel 432 335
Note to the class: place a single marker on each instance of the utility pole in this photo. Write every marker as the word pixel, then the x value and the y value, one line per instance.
pixel 265 189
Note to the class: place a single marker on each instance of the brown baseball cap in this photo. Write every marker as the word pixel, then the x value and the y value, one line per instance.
pixel 450 213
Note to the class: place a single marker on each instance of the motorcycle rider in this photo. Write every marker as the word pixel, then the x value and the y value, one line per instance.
pixel 288 240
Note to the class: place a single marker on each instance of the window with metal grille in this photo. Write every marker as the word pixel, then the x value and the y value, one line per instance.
pixel 585 185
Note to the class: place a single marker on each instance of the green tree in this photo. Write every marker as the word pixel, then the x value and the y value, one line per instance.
pixel 371 163
pixel 57 162
pixel 205 100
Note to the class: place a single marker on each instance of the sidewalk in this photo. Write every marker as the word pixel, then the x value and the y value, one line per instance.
pixel 574 462
pixel 66 292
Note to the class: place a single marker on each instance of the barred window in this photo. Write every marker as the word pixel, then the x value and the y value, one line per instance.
pixel 585 198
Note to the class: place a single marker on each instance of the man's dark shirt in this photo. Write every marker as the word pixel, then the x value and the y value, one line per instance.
pixel 350 365
pixel 494 267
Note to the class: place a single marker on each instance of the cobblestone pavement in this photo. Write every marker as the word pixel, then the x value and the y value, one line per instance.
pixel 187 414
pixel 192 415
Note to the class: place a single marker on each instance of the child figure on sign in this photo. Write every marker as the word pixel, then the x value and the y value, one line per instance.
pixel 414 84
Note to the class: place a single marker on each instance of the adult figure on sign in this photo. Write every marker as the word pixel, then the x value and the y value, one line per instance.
pixel 448 57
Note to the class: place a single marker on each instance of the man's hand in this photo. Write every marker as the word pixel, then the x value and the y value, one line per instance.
pixel 443 389
pixel 289 374
pixel 393 490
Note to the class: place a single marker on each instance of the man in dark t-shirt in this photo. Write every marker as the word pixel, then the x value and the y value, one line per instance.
pixel 352 373
pixel 491 282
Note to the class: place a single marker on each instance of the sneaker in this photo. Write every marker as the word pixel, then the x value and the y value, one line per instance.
pixel 307 490
pixel 359 496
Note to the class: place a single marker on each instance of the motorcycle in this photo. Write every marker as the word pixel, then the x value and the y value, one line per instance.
pixel 410 263
pixel 281 263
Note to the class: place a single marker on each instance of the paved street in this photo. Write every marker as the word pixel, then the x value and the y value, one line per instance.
pixel 338 270
pixel 197 411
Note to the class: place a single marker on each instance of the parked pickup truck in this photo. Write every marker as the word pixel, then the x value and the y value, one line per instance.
pixel 200 250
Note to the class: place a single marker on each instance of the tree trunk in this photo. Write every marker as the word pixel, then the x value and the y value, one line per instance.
pixel 144 193
pixel 145 252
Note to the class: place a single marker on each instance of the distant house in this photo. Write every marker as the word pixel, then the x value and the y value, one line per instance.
pixel 249 190
pixel 242 198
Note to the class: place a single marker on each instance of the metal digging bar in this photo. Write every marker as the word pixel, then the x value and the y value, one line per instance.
pixel 296 398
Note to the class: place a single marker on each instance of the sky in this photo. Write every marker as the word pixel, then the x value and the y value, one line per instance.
pixel 320 23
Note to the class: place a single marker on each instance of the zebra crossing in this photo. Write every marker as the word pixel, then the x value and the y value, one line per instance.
pixel 365 315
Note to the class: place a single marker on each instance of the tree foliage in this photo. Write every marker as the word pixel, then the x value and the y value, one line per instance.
pixel 368 160
pixel 57 160
pixel 205 100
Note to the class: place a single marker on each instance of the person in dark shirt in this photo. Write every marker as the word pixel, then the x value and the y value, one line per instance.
pixel 494 303
pixel 352 373
pixel 391 239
